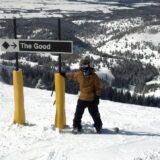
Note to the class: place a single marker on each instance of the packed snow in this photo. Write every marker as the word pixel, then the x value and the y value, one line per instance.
pixel 138 139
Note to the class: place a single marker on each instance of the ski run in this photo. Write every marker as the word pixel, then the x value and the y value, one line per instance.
pixel 138 138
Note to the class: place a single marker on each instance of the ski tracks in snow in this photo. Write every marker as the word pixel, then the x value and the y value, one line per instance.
pixel 39 154
pixel 57 155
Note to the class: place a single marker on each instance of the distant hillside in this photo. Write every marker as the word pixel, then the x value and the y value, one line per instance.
pixel 121 37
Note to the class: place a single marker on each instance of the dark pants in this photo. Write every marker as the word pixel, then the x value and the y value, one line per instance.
pixel 93 110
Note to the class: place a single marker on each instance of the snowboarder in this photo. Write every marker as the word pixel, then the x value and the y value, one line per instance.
pixel 90 89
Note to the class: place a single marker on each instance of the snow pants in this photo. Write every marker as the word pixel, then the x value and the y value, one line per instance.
pixel 93 110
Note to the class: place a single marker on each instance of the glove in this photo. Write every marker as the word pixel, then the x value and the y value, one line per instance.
pixel 63 74
pixel 96 100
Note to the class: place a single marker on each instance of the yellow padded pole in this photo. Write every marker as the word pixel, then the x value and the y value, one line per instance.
pixel 19 113
pixel 60 118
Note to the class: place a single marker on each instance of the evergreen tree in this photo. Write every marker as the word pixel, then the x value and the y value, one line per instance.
pixel 6 77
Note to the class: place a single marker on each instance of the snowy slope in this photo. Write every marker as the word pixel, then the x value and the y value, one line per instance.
pixel 50 8
pixel 139 138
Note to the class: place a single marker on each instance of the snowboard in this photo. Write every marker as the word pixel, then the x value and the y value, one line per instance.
pixel 91 130
pixel 114 130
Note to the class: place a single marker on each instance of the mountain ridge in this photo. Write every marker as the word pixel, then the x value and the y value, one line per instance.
pixel 110 35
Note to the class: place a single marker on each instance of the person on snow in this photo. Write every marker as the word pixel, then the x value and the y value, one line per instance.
pixel 90 90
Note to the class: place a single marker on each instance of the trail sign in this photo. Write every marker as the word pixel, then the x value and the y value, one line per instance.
pixel 23 45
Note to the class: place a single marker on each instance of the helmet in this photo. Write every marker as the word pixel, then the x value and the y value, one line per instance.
pixel 85 62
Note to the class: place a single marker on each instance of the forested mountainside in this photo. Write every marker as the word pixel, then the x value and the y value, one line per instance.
pixel 121 37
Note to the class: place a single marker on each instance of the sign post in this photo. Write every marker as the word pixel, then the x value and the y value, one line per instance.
pixel 59 38
pixel 19 112
pixel 60 118
pixel 15 36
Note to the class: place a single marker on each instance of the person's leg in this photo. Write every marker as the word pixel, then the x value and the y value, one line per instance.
pixel 78 114
pixel 94 112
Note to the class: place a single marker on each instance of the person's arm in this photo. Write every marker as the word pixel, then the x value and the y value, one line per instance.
pixel 72 75
pixel 98 87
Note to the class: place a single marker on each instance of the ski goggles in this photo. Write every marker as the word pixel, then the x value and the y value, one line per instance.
pixel 84 66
